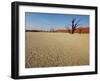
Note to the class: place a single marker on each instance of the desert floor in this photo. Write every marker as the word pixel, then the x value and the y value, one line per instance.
pixel 48 49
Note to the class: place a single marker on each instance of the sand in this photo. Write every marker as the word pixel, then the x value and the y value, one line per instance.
pixel 49 49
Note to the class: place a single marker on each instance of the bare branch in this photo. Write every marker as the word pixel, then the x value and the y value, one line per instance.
pixel 74 25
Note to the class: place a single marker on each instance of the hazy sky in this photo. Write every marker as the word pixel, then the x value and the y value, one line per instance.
pixel 46 21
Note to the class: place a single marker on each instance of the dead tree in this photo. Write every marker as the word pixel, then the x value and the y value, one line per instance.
pixel 74 25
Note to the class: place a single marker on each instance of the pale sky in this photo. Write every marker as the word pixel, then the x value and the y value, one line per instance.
pixel 46 21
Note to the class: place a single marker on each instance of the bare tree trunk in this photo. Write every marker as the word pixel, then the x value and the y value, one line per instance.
pixel 74 25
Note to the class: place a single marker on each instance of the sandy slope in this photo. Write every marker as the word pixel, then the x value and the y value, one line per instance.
pixel 56 49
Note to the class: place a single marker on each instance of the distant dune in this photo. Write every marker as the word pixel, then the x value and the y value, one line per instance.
pixel 78 30
pixel 82 30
